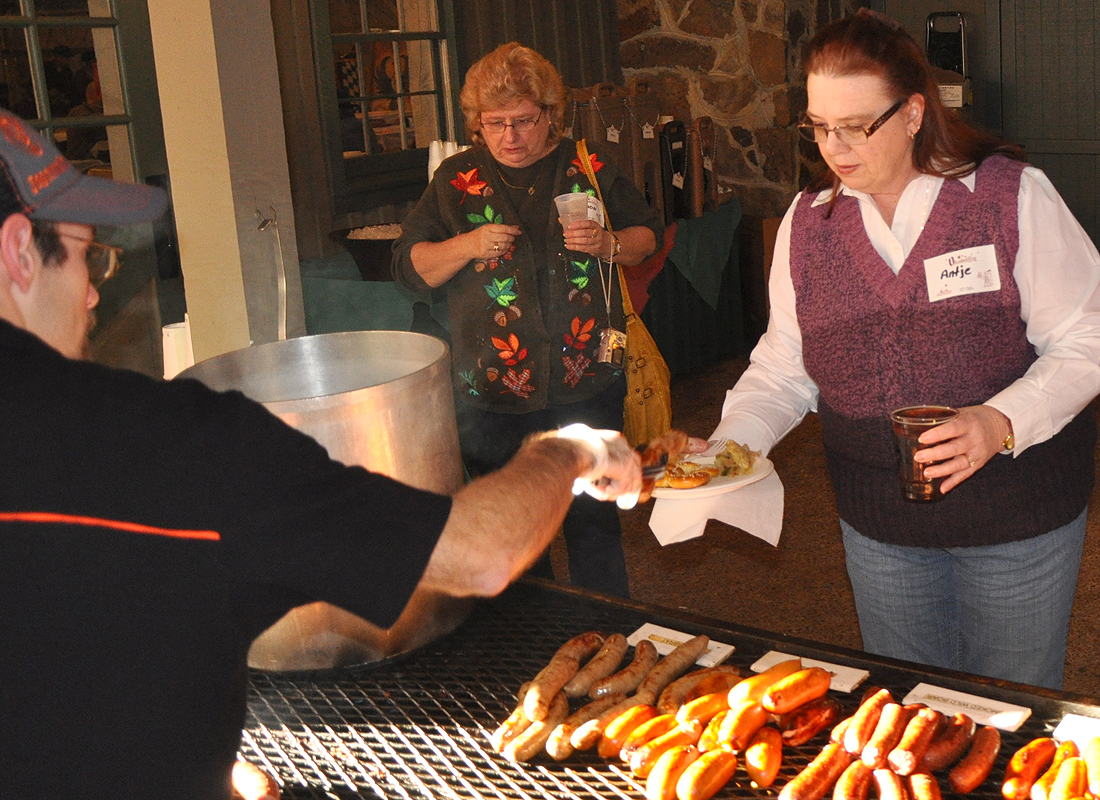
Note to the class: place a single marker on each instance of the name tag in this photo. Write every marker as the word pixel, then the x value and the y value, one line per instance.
pixel 962 272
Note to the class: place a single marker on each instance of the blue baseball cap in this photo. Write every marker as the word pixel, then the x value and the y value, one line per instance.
pixel 48 187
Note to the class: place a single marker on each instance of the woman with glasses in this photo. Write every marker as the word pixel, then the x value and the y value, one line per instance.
pixel 932 265
pixel 529 301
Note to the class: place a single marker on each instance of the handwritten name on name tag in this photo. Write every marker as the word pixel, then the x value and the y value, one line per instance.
pixel 962 272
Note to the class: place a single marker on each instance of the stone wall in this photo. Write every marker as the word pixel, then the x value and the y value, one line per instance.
pixel 737 62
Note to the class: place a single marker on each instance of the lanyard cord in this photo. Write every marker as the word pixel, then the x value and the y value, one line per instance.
pixel 586 166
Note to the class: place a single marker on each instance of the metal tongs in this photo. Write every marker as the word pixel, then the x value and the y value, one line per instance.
pixel 654 471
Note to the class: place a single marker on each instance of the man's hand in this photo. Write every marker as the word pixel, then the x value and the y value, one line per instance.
pixel 617 472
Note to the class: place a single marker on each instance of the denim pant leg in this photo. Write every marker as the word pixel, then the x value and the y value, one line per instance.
pixel 1000 610
pixel 904 600
pixel 1015 602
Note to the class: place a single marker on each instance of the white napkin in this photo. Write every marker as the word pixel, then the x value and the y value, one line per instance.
pixel 756 509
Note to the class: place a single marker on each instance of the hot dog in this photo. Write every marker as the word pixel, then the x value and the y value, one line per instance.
pixel 741 724
pixel 1026 766
pixel 563 666
pixel 764 756
pixel 661 783
pixel 721 680
pixel 252 783
pixel 676 693
pixel 646 732
pixel 532 741
pixel 754 686
pixel 923 786
pixel 615 733
pixel 1041 788
pixel 807 721
pixel 628 678
pixel 919 731
pixel 854 783
pixel 710 738
pixel 1071 780
pixel 1091 754
pixel 968 774
pixel 817 777
pixel 673 666
pixel 889 785
pixel 588 733
pixel 559 745
pixel 704 708
pixel 601 665
pixel 862 726
pixel 949 744
pixel 888 732
pixel 837 733
pixel 706 775
pixel 645 757
pixel 797 689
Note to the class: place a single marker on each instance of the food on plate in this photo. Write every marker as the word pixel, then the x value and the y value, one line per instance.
pixel 601 665
pixel 628 678
pixel 735 460
pixel 968 774
pixel 665 449
pixel 686 475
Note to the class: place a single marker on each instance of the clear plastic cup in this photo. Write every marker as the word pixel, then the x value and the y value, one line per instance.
pixel 572 207
pixel 909 423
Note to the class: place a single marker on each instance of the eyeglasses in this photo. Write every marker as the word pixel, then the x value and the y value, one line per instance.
pixel 497 127
pixel 103 260
pixel 852 135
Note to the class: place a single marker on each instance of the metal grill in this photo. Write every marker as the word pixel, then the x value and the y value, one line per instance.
pixel 419 727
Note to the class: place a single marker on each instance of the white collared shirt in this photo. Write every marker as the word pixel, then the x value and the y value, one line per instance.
pixel 1058 273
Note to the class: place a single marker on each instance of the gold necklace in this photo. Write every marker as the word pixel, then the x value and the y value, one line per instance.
pixel 529 189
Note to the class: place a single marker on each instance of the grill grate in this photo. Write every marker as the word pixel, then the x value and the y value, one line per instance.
pixel 418 727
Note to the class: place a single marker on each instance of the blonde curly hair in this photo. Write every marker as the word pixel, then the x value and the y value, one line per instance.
pixel 511 74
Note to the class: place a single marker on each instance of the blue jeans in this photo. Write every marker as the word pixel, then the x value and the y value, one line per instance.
pixel 999 610
pixel 593 533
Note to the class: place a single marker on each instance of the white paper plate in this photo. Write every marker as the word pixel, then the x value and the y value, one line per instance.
pixel 761 469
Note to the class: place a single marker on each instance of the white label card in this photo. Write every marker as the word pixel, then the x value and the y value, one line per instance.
pixel 962 272
pixel 1078 728
pixel 708 163
pixel 612 134
pixel 678 180
pixel 647 131
pixel 844 679
pixel 595 209
pixel 666 640
pixel 982 710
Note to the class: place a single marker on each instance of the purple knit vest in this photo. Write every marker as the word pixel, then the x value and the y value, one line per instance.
pixel 872 342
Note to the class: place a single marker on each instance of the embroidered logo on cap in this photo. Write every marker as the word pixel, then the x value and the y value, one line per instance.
pixel 43 178
pixel 15 133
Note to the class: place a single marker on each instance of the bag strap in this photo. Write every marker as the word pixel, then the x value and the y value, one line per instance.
pixel 586 167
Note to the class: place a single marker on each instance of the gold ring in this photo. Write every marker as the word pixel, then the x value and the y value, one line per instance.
pixel 972 462
pixel 496 247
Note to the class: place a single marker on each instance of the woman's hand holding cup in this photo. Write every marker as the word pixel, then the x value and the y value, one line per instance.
pixel 588 237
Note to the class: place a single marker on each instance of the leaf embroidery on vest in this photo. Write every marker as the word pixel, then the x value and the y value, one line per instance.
pixel 579 276
pixel 575 369
pixel 580 333
pixel 597 165
pixel 517 384
pixel 509 350
pixel 467 183
pixel 488 215
pixel 577 189
pixel 502 291
pixel 470 381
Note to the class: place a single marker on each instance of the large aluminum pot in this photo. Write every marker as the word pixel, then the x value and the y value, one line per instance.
pixel 380 399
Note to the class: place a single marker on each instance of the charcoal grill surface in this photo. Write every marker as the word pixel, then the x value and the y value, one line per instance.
pixel 419 726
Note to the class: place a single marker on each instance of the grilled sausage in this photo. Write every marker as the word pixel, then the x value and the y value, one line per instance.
pixel 559 745
pixel 837 733
pixel 646 732
pixel 918 734
pixel 1071 780
pixel 888 732
pixel 704 708
pixel 923 786
pixel 864 721
pixel 512 727
pixel 754 686
pixel 533 740
pixel 721 680
pixel 588 733
pixel 252 783
pixel 968 774
pixel 562 667
pixel 661 783
pixel 1026 766
pixel 764 756
pixel 854 783
pixel 807 721
pixel 797 689
pixel 673 666
pixel 604 663
pixel 741 724
pixel 628 678
pixel 615 733
pixel 645 757
pixel 710 738
pixel 676 693
pixel 1091 754
pixel 706 775
pixel 949 744
pixel 817 777
pixel 1041 788
pixel 889 785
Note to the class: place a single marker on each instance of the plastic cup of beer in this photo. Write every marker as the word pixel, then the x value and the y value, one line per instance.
pixel 572 207
pixel 909 424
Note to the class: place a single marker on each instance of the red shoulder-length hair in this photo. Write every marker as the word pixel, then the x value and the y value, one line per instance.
pixel 869 43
